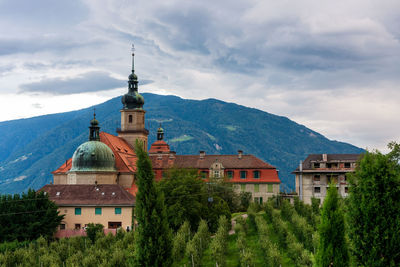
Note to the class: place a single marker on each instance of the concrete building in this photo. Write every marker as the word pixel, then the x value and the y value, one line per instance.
pixel 317 171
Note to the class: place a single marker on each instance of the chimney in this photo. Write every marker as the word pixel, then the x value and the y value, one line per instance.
pixel 240 153
pixel 324 157
pixel 202 154
pixel 172 154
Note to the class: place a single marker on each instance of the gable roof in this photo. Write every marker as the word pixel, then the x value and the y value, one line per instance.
pixel 125 157
pixel 89 195
pixel 330 158
pixel 159 146
pixel 195 161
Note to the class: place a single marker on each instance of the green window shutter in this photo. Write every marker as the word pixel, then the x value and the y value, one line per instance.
pixel 270 188
pixel 243 187
pixel 229 174
pixel 256 188
pixel 78 211
pixel 243 174
pixel 97 211
pixel 117 210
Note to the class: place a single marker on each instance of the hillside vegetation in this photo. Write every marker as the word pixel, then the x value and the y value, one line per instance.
pixel 268 236
pixel 31 148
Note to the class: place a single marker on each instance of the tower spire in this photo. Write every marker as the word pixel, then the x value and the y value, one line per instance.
pixel 133 58
pixel 133 100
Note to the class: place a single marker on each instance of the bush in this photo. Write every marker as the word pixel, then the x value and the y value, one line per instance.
pixel 92 230
pixel 287 210
pixel 245 199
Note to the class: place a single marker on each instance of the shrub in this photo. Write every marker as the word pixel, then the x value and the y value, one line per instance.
pixel 92 230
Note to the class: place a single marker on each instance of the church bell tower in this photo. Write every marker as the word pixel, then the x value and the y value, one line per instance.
pixel 132 112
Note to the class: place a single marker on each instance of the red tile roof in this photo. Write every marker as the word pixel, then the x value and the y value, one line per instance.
pixel 159 146
pixel 64 168
pixel 194 161
pixel 90 195
pixel 268 173
pixel 125 157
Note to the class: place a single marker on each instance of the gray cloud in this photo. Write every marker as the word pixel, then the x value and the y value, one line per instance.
pixel 44 13
pixel 293 60
pixel 9 46
pixel 37 105
pixel 4 69
pixel 87 82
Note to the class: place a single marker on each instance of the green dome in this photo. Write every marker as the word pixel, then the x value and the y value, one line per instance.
pixel 93 156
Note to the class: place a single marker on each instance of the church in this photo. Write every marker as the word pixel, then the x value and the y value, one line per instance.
pixel 107 162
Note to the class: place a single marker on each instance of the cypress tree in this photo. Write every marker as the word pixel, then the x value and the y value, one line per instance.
pixel 153 242
pixel 332 249
pixel 374 205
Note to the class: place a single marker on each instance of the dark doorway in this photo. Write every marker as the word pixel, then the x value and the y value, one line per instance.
pixel 114 225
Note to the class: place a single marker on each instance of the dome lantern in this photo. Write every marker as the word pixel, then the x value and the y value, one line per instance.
pixel 93 155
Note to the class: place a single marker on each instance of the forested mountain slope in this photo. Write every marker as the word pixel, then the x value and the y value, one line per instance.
pixel 31 148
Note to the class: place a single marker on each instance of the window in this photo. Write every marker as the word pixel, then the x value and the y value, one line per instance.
pixel 242 187
pixel 256 174
pixel 317 190
pixel 62 226
pixel 317 178
pixel 130 118
pixel 97 211
pixel 204 174
pixel 243 174
pixel 229 174
pixel 316 165
pixel 117 210
pixel 331 165
pixel 216 174
pixel 78 211
pixel 77 226
pixel 256 188
pixel 270 188
pixel 346 190
pixel 347 165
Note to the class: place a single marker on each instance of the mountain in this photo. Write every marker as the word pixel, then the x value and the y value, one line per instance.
pixel 31 148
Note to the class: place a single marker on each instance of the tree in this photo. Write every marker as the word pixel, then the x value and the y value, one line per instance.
pixel 332 248
pixel 92 230
pixel 245 199
pixel 180 240
pixel 28 216
pixel 153 242
pixel 185 197
pixel 373 209
pixel 189 198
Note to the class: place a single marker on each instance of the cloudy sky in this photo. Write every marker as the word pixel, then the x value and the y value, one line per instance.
pixel 333 66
